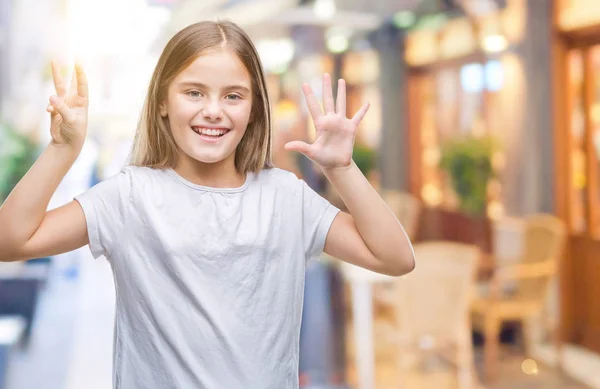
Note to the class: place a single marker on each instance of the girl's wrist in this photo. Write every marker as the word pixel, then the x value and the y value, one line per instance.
pixel 72 149
pixel 338 169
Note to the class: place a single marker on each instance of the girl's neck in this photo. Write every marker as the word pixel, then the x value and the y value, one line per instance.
pixel 216 175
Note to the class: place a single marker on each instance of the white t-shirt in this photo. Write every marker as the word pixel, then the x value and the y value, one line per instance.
pixel 209 282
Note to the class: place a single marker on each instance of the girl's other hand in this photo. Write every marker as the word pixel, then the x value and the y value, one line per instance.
pixel 334 143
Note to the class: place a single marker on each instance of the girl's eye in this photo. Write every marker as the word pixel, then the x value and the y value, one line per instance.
pixel 232 97
pixel 194 93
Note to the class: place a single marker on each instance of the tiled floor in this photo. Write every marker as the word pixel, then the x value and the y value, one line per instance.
pixel 44 363
pixel 91 359
pixel 72 343
pixel 510 375
pixel 439 375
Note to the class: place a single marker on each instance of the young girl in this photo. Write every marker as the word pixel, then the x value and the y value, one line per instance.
pixel 208 243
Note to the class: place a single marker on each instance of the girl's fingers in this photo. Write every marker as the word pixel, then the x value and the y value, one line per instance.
pixel 311 100
pixel 59 105
pixel 328 105
pixel 82 85
pixel 73 88
pixel 59 84
pixel 50 108
pixel 341 97
pixel 358 116
pixel 298 146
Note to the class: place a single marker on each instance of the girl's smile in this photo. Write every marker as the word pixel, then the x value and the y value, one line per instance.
pixel 210 134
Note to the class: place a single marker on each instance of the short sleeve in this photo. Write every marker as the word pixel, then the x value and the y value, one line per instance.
pixel 105 206
pixel 318 215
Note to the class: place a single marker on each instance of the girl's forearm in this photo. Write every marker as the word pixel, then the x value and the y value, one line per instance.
pixel 25 207
pixel 380 229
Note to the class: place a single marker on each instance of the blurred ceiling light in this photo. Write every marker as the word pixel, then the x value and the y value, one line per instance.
pixel 337 44
pixel 276 54
pixel 494 43
pixel 404 19
pixel 324 9
pixel 337 39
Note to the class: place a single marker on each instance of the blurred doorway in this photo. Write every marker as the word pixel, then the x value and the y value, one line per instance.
pixel 577 166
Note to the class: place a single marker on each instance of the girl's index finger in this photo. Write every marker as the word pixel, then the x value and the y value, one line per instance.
pixel 59 84
pixel 73 87
pixel 311 100
pixel 82 85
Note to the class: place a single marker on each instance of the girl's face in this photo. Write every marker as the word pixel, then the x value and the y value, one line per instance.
pixel 208 106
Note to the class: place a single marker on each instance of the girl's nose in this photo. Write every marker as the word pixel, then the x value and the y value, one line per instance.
pixel 212 110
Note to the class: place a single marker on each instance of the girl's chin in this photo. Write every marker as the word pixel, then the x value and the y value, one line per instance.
pixel 208 158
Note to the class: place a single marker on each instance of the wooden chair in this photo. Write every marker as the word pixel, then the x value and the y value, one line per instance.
pixel 432 309
pixel 530 277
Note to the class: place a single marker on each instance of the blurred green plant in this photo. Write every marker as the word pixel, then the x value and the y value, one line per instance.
pixel 364 158
pixel 17 154
pixel 468 163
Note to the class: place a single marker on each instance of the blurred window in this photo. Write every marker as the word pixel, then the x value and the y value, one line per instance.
pixel 451 101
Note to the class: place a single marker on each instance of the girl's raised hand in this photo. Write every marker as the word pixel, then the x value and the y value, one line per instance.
pixel 69 108
pixel 335 132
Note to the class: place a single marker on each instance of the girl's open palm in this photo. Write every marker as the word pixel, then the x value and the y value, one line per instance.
pixel 335 132
pixel 69 108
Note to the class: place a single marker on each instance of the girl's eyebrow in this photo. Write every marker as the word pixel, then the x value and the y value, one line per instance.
pixel 200 85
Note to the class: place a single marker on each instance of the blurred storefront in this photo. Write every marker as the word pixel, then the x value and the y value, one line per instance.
pixel 526 76
pixel 467 80
pixel 576 49
pixel 499 75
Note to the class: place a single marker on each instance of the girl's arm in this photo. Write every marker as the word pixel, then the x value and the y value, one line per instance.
pixel 26 229
pixel 371 237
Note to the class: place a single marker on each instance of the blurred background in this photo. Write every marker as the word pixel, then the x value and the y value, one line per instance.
pixel 483 137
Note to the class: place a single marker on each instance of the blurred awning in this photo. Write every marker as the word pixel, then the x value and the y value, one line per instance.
pixel 359 14
pixel 276 19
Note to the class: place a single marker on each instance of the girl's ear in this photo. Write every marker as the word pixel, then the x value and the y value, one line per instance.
pixel 162 108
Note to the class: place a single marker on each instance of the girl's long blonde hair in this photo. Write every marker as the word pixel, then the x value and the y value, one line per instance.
pixel 154 145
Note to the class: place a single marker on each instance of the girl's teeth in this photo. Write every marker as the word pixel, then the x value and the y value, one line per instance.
pixel 210 132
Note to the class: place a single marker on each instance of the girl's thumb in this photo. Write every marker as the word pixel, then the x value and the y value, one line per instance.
pixel 299 146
